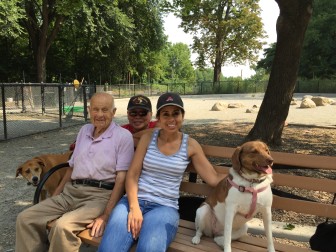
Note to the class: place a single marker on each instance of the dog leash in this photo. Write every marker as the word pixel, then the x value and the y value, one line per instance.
pixel 254 195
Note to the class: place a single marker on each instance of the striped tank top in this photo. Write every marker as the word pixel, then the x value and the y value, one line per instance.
pixel 161 175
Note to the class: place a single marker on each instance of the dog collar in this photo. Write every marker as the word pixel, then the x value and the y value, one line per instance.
pixel 251 180
pixel 254 195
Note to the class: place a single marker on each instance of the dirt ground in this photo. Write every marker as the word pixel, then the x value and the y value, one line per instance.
pixel 16 195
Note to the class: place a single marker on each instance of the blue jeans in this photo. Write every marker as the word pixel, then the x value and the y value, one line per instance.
pixel 158 229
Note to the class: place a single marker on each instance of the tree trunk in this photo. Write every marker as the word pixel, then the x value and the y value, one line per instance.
pixel 42 26
pixel 41 57
pixel 291 27
pixel 218 61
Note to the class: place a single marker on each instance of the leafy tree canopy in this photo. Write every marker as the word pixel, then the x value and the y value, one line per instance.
pixel 318 58
pixel 224 31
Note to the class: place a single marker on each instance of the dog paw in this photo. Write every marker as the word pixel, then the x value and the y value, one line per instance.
pixel 196 240
pixel 219 240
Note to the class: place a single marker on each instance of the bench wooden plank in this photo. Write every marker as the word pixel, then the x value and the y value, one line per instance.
pixel 246 243
pixel 283 158
pixel 304 160
pixel 315 184
pixel 88 239
pixel 305 207
pixel 278 246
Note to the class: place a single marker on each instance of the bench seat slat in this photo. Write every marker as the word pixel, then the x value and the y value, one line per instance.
pixel 88 239
pixel 278 246
pixel 252 244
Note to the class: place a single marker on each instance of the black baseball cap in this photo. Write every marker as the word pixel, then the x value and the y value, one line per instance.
pixel 139 101
pixel 169 99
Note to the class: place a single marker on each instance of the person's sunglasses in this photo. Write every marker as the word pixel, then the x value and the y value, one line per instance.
pixel 137 113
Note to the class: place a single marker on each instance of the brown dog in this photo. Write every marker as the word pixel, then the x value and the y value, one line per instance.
pixel 238 197
pixel 34 169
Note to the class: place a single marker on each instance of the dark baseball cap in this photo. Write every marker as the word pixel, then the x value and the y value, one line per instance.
pixel 139 101
pixel 169 99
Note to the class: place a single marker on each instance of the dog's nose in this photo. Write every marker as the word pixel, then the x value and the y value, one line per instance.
pixel 35 179
pixel 270 161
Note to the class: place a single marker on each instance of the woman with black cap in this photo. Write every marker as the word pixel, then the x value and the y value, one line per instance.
pixel 149 212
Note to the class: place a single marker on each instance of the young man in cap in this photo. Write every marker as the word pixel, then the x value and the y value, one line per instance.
pixel 139 114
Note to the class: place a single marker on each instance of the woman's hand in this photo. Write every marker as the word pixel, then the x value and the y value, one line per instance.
pixel 134 223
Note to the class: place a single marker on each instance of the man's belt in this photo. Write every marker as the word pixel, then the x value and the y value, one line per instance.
pixel 94 183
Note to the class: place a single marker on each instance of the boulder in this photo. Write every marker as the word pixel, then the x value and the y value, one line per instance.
pixel 219 106
pixel 307 103
pixel 321 101
pixel 252 110
pixel 235 105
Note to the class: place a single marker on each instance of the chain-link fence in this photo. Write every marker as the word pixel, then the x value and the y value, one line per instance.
pixel 32 108
pixel 28 108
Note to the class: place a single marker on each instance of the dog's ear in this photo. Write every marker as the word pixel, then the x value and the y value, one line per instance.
pixel 39 161
pixel 18 171
pixel 236 159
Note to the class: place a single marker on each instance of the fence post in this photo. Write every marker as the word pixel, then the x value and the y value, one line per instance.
pixel 22 99
pixel 42 98
pixel 4 110
pixel 85 104
pixel 60 103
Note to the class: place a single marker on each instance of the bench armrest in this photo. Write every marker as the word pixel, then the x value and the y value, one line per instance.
pixel 45 178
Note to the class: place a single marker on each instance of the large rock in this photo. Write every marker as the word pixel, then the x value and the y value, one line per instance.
pixel 307 103
pixel 252 110
pixel 321 101
pixel 219 106
pixel 235 105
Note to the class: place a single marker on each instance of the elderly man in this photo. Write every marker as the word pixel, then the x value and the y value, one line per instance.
pixel 92 186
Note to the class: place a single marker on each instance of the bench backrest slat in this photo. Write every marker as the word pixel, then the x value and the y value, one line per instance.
pixel 304 160
pixel 282 158
pixel 308 183
pixel 305 207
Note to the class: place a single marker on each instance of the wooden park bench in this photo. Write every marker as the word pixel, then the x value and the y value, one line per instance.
pixel 193 186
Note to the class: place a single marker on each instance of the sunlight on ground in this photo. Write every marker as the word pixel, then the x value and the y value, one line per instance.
pixel 22 203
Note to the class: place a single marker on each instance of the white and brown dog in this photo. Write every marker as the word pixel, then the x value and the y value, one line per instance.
pixel 237 198
pixel 34 169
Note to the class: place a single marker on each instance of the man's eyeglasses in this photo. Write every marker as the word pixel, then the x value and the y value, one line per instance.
pixel 137 113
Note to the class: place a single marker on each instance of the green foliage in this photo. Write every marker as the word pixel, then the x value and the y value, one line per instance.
pixel 318 58
pixel 224 31
pixel 319 51
pixel 205 75
pixel 289 226
pixel 10 15
pixel 266 62
pixel 179 68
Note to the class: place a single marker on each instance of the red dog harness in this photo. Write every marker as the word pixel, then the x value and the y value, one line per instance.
pixel 254 195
